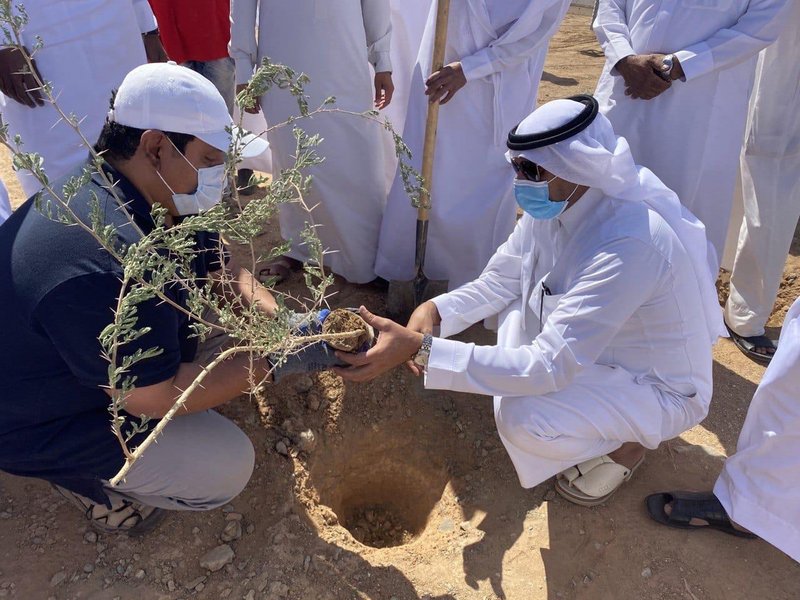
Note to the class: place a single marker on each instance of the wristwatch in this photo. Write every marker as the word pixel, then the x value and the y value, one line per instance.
pixel 424 353
pixel 666 67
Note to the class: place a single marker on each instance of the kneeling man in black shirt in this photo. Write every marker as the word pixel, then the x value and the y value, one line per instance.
pixel 164 143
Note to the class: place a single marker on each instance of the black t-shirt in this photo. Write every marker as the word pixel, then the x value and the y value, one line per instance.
pixel 57 291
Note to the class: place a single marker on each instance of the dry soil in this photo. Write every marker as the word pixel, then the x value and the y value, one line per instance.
pixel 385 491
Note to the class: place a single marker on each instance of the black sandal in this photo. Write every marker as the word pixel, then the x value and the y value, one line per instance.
pixel 748 345
pixel 692 505
pixel 125 516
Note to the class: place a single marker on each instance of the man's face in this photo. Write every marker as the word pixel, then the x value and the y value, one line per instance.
pixel 525 169
pixel 558 189
pixel 180 171
pixel 529 170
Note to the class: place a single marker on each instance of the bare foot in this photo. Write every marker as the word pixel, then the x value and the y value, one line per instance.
pixel 279 270
pixel 628 455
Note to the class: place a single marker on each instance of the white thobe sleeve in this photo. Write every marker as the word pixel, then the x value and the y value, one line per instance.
pixel 497 287
pixel 602 296
pixel 378 27
pixel 756 29
pixel 243 46
pixel 5 204
pixel 611 28
pixel 517 45
pixel 145 18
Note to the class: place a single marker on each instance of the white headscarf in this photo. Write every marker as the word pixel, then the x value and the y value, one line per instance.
pixel 598 158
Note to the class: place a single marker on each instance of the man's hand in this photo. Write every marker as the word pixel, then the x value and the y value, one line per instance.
pixel 15 81
pixel 309 323
pixel 317 356
pixel 253 110
pixel 640 72
pixel 423 320
pixel 443 85
pixel 153 48
pixel 384 89
pixel 396 344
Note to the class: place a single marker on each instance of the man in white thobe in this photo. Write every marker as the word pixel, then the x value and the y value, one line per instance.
pixel 88 48
pixel 758 489
pixel 333 42
pixel 769 193
pixel 496 51
pixel 688 126
pixel 408 24
pixel 607 312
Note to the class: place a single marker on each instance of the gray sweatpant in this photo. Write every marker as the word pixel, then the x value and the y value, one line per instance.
pixel 201 460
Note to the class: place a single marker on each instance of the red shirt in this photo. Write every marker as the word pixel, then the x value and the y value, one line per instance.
pixel 193 29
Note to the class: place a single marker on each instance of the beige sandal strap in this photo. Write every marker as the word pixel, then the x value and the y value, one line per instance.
pixel 585 467
pixel 602 480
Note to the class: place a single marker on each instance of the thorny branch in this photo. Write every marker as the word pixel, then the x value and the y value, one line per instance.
pixel 163 257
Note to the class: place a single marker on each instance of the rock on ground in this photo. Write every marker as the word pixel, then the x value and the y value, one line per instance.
pixel 217 558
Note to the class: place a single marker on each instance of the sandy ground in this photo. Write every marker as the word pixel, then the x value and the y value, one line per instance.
pixel 423 479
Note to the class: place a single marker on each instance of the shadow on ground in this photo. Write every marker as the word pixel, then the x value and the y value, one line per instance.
pixel 557 80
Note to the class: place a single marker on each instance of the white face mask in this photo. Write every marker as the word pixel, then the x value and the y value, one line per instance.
pixel 210 187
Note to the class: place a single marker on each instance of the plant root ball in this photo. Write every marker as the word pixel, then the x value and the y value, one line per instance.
pixel 342 320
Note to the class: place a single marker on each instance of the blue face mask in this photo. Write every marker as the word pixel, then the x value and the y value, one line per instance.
pixel 534 198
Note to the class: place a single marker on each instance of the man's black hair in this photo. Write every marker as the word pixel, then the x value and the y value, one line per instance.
pixel 120 142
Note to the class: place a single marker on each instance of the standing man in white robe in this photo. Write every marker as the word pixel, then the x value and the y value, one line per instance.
pixel 408 25
pixel 333 42
pixel 607 307
pixel 89 47
pixel 758 491
pixel 770 192
pixel 688 126
pixel 495 51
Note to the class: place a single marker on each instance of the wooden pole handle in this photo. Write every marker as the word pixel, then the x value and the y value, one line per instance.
pixel 429 147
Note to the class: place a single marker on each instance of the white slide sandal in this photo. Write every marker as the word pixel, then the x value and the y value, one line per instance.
pixel 594 481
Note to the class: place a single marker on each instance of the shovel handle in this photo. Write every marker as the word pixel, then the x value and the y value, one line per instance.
pixel 429 147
